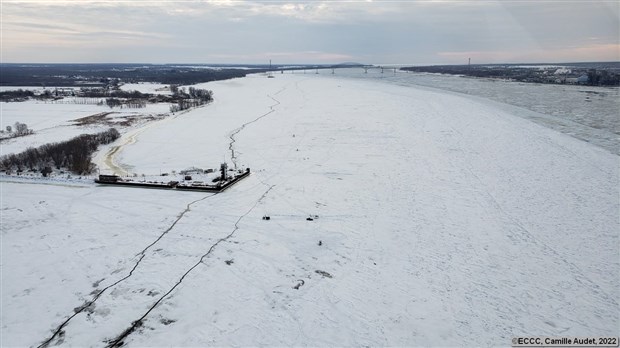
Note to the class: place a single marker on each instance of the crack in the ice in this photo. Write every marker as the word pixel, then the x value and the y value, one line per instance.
pixel 118 341
pixel 142 254
pixel 233 157
pixel 187 209
pixel 59 330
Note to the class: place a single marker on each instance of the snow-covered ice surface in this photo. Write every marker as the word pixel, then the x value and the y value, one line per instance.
pixel 442 220
pixel 584 112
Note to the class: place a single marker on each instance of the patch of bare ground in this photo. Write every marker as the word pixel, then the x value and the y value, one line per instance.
pixel 100 118
pixel 103 118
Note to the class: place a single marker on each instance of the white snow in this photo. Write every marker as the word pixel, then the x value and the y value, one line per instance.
pixel 147 87
pixel 53 122
pixel 443 221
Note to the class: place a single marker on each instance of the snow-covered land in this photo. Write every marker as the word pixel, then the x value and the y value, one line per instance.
pixel 436 220
pixel 152 88
pixel 56 121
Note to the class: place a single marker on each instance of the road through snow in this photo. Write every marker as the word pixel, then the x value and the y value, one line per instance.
pixel 436 220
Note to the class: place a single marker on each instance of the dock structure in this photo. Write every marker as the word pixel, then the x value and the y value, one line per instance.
pixel 222 183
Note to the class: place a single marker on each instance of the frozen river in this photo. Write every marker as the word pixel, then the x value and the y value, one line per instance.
pixel 585 112
pixel 438 219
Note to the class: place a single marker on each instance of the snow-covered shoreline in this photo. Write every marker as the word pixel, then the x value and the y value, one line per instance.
pixel 442 221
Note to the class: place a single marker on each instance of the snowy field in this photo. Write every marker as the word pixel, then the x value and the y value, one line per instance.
pixel 53 122
pixel 151 88
pixel 437 220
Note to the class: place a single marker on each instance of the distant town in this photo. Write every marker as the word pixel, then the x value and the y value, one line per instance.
pixel 591 74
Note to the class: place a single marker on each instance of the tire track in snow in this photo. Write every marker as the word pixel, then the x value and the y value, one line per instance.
pixel 232 135
pixel 118 341
pixel 59 333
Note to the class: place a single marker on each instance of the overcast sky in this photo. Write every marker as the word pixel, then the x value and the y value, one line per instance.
pixel 373 31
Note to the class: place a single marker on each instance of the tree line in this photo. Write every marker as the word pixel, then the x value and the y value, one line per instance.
pixel 596 77
pixel 74 154
pixel 182 98
pixel 106 74
pixel 117 93
pixel 17 95
pixel 130 103
pixel 192 98
pixel 19 129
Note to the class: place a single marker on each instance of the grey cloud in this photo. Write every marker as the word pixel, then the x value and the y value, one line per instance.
pixel 379 31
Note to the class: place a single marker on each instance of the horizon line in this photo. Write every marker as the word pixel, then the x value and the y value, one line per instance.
pixel 306 64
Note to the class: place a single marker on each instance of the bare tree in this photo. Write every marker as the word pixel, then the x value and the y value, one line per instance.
pixel 21 128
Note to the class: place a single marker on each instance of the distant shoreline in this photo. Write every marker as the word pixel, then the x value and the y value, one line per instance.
pixel 589 74
pixel 101 75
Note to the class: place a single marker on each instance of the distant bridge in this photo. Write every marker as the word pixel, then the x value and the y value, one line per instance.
pixel 317 69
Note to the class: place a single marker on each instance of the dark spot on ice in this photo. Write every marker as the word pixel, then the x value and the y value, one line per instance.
pixel 300 283
pixel 61 337
pixel 323 273
pixel 167 321
pixel 550 323
pixel 88 307
pixel 230 262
